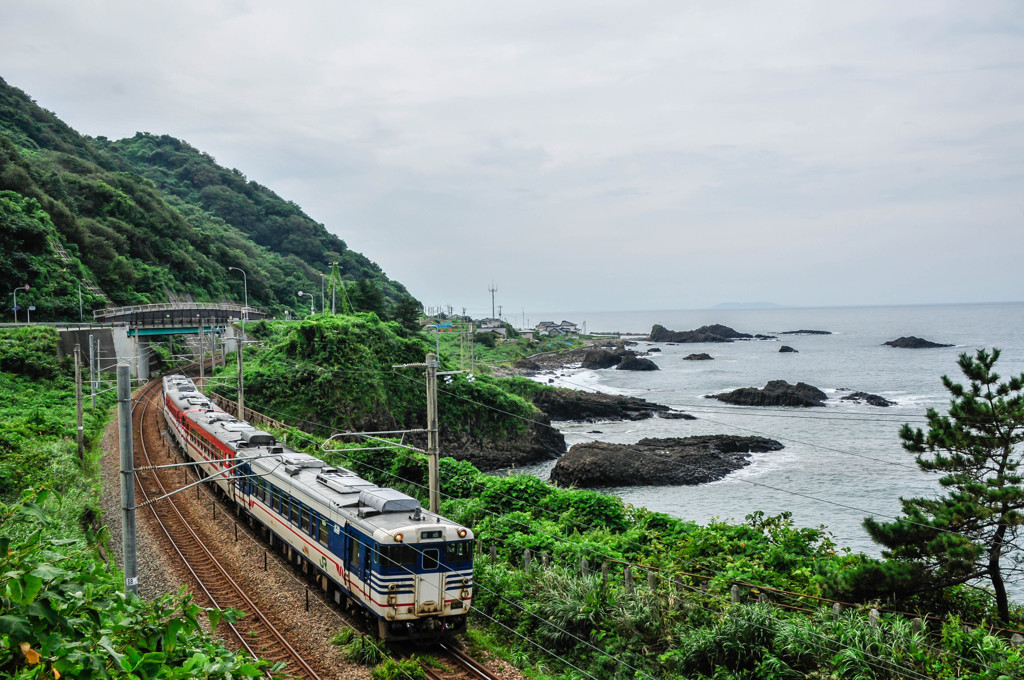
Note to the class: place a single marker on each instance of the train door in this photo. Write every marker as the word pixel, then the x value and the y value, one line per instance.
pixel 353 550
pixel 430 582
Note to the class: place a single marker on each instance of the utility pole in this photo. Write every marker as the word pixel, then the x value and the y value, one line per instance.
pixel 92 368
pixel 202 373
pixel 472 349
pixel 432 435
pixel 499 311
pixel 493 289
pixel 81 317
pixel 241 381
pixel 124 426
pixel 78 403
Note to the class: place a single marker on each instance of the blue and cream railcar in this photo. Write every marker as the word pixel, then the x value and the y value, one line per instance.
pixel 408 569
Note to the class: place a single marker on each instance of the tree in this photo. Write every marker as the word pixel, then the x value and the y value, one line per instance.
pixel 407 311
pixel 970 533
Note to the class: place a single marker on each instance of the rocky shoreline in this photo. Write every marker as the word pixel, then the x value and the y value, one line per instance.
pixel 657 462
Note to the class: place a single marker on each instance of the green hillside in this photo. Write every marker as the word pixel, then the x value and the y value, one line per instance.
pixel 151 217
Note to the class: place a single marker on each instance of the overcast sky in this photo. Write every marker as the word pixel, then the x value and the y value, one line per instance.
pixel 588 155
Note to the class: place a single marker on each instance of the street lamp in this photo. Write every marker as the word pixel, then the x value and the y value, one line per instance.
pixel 25 288
pixel 245 289
pixel 310 296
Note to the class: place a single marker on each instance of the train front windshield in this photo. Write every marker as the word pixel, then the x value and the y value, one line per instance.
pixel 423 557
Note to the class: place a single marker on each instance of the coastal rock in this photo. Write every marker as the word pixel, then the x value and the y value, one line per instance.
pixel 539 442
pixel 805 332
pixel 787 348
pixel 870 399
pixel 703 356
pixel 654 349
pixel 774 393
pixel 565 404
pixel 656 462
pixel 914 342
pixel 600 358
pixel 713 333
pixel 527 364
pixel 635 363
pixel 675 415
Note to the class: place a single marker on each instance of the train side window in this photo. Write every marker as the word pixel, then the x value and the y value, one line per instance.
pixel 277 498
pixel 324 530
pixel 431 558
pixel 305 520
pixel 295 512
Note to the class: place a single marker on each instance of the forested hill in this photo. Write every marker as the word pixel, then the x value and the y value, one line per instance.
pixel 151 217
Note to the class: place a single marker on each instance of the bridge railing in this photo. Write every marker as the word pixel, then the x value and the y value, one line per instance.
pixel 170 306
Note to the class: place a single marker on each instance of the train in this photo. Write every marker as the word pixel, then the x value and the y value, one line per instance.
pixel 408 571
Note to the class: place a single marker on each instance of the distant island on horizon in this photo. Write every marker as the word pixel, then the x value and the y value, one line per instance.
pixel 746 305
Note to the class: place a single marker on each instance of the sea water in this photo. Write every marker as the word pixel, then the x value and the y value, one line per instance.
pixel 840 463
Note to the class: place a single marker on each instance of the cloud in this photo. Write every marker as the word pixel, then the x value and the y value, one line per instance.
pixel 659 154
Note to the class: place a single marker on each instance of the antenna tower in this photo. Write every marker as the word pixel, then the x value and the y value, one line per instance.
pixel 493 289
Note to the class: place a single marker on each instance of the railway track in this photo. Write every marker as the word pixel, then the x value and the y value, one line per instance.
pixel 457 666
pixel 213 582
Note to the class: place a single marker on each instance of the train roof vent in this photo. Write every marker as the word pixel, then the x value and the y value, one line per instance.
pixel 292 469
pixel 345 483
pixel 186 388
pixel 258 438
pixel 218 417
pixel 388 500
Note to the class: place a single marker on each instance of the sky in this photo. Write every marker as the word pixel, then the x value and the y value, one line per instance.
pixel 588 155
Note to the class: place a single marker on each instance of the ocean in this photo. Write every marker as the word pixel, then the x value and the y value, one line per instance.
pixel 840 463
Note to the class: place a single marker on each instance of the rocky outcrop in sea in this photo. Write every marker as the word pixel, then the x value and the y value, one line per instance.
pixel 657 462
pixel 787 348
pixel 869 399
pixel 774 393
pixel 914 342
pixel 703 356
pixel 713 333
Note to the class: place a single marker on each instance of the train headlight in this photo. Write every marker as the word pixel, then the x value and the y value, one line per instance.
pixel 398 538
pixel 462 533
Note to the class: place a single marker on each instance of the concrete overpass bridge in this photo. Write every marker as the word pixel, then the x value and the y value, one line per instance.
pixel 176 318
pixel 124 334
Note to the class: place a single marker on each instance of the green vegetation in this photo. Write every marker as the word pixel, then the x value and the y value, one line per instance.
pixel 489 352
pixel 334 373
pixel 969 533
pixel 62 611
pixel 151 216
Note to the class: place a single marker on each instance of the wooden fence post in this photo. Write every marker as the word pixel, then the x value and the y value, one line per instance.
pixel 627 578
pixel 604 574
pixel 527 558
pixel 873 618
pixel 837 610
pixel 734 592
